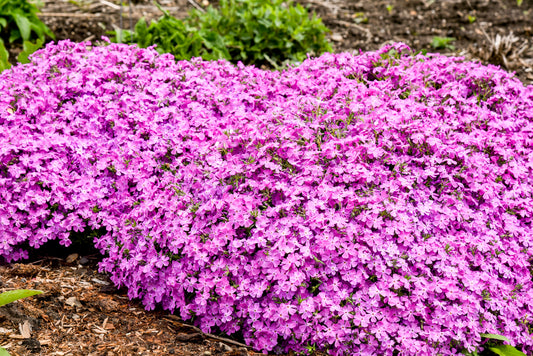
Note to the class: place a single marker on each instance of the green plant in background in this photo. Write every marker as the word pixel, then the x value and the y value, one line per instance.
pixel 27 49
pixel 19 18
pixel 177 37
pixel 259 32
pixel 471 18
pixel 4 57
pixel 19 23
pixel 442 43
pixel 11 296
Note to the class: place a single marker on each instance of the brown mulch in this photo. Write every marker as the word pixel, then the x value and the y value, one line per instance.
pixel 81 313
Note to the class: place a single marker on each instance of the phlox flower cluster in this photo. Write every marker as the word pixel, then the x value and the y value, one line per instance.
pixel 366 204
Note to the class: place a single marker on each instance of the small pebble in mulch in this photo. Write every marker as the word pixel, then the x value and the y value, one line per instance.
pixel 221 347
pixel 73 302
pixel 72 258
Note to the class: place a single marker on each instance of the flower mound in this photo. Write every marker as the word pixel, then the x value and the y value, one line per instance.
pixel 363 204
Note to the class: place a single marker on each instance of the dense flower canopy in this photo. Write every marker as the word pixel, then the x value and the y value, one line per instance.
pixel 361 203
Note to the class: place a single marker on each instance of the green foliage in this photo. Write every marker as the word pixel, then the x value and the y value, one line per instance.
pixel 501 350
pixel 4 57
pixel 27 49
pixel 442 43
pixel 269 32
pixel 495 337
pixel 177 37
pixel 506 350
pixel 19 21
pixel 11 296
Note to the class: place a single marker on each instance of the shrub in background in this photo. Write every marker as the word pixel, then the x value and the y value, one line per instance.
pixel 369 204
pixel 265 31
pixel 177 37
pixel 270 32
pixel 19 23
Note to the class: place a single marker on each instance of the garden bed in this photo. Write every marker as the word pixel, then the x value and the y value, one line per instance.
pixel 108 323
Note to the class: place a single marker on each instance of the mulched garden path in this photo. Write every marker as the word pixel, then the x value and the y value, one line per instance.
pixel 81 313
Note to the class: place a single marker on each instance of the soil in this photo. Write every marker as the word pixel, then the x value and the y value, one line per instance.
pixel 81 313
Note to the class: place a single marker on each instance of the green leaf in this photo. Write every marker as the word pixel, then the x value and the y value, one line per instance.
pixel 317 260
pixel 3 352
pixel 506 350
pixel 3 22
pixel 4 57
pixel 28 48
pixel 40 29
pixel 442 43
pixel 120 35
pixel 141 35
pixel 12 295
pixel 23 25
pixel 495 337
pixel 165 12
pixel 14 35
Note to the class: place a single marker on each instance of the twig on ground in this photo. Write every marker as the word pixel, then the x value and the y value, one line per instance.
pixel 195 4
pixel 356 26
pixel 326 4
pixel 68 14
pixel 110 4
pixel 174 318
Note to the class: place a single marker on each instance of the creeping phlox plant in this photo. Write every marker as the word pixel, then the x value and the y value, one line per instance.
pixel 366 204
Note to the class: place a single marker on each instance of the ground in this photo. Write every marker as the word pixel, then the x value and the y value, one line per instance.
pixel 81 313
